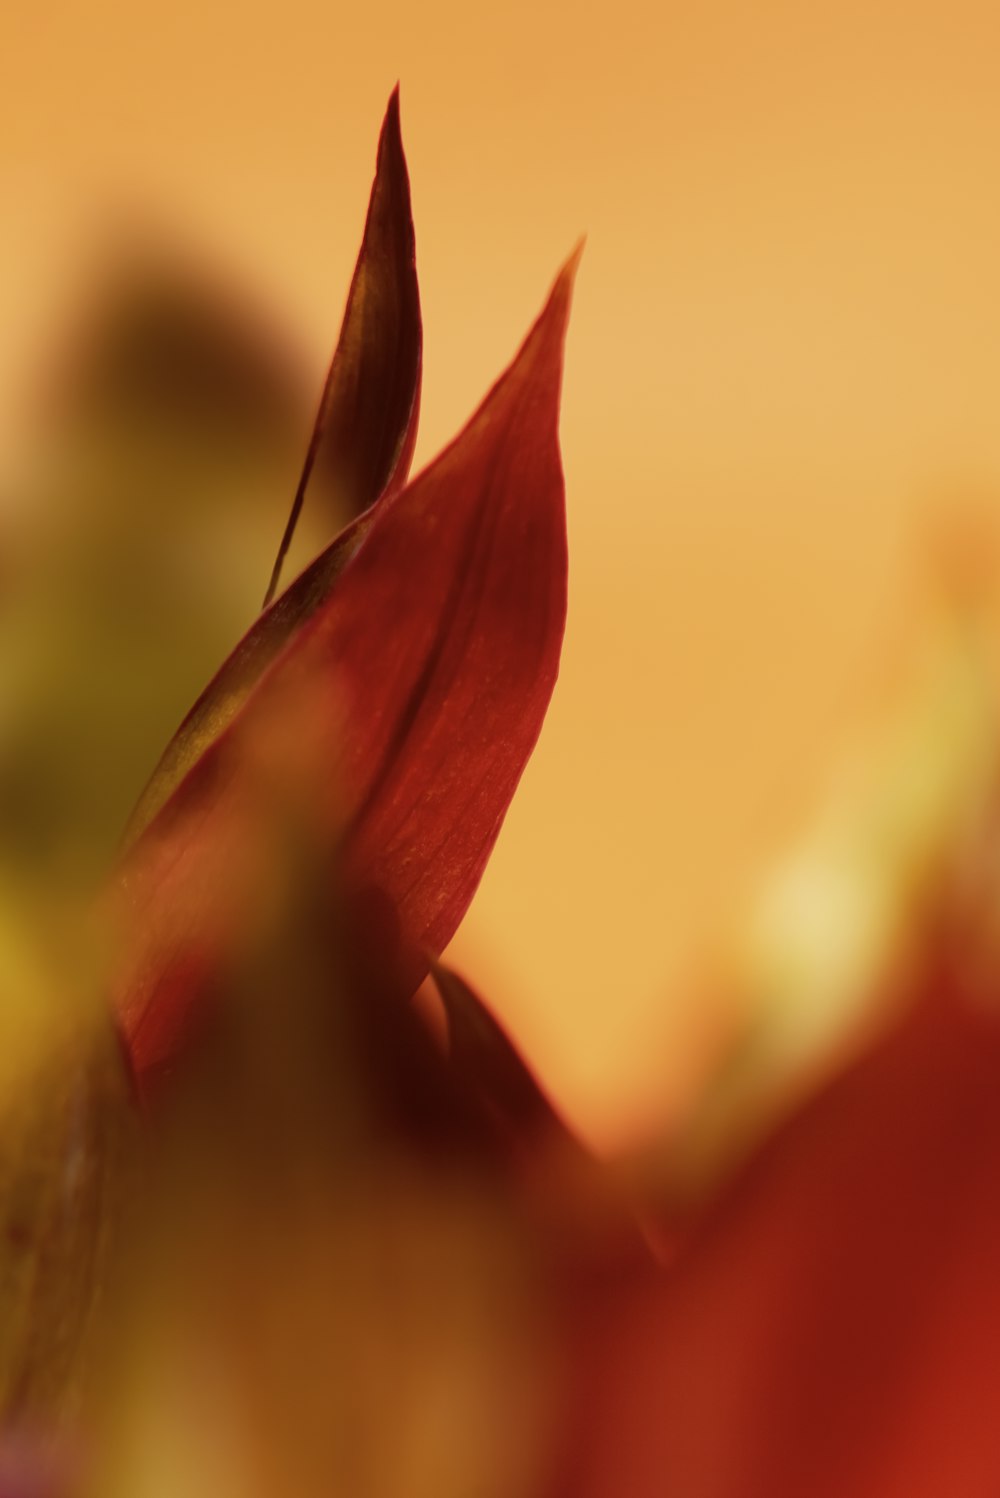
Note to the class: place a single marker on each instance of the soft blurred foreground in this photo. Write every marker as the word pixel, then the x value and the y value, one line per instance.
pixel 345 1244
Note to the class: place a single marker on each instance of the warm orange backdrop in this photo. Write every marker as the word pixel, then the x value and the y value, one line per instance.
pixel 784 358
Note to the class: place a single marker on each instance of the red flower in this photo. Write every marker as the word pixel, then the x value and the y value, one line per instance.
pixel 421 649
pixel 305 850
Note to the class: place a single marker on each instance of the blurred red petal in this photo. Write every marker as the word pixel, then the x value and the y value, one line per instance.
pixel 585 1229
pixel 482 1054
pixel 428 668
pixel 834 1326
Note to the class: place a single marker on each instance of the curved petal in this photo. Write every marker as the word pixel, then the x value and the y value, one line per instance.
pixel 419 684
pixel 484 1056
pixel 366 425
pixel 833 1326
pixel 362 443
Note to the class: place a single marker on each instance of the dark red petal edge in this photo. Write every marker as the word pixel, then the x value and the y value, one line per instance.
pixel 364 436
pixel 366 425
pixel 490 1065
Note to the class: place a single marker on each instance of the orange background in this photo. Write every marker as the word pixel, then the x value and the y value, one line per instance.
pixel 782 367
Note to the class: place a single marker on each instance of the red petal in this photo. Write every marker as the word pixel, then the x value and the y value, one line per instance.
pixel 576 1204
pixel 363 443
pixel 429 667
pixel 489 1064
pixel 834 1328
pixel 366 425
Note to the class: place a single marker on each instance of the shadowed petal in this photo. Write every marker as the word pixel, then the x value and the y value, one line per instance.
pixel 366 425
pixel 487 1060
pixel 65 1168
pixel 362 446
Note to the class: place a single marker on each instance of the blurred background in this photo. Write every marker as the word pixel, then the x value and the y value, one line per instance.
pixel 779 430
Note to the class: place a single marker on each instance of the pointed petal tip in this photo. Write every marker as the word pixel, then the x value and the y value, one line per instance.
pixel 548 333
pixel 557 308
pixel 572 264
pixel 391 133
